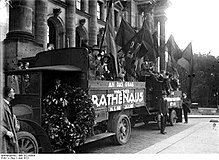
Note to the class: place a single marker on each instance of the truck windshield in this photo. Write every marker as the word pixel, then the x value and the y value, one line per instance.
pixel 24 84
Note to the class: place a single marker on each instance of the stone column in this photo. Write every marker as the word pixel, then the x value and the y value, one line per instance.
pixel 162 19
pixel 160 15
pixel 70 22
pixel 41 22
pixel 20 20
pixel 19 42
pixel 103 10
pixel 139 24
pixel 132 14
pixel 93 23
pixel 85 6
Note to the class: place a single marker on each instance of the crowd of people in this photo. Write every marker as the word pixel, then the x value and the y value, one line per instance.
pixel 101 65
pixel 102 68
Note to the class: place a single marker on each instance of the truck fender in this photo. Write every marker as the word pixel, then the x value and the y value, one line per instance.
pixel 23 111
pixel 41 135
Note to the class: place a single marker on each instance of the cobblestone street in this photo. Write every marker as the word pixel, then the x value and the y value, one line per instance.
pixel 142 137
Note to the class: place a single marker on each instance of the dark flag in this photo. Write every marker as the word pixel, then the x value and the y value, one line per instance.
pixel 148 42
pixel 124 34
pixel 173 49
pixel 141 45
pixel 110 35
pixel 172 64
pixel 131 51
pixel 187 59
pixel 155 39
pixel 174 54
pixel 133 46
pixel 187 63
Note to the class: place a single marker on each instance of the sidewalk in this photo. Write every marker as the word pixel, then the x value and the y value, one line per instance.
pixel 202 116
pixel 202 138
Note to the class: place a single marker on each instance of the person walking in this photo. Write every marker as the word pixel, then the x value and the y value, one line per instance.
pixel 8 124
pixel 185 105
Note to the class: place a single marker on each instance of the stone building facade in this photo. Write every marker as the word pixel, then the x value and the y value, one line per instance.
pixel 34 24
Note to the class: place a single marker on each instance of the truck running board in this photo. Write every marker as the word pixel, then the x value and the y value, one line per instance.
pixel 99 136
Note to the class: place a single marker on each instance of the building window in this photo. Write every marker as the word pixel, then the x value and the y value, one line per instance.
pixel 51 34
pixel 78 4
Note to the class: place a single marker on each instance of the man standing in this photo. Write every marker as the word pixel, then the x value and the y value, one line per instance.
pixel 163 110
pixel 9 142
pixel 186 108
pixel 162 102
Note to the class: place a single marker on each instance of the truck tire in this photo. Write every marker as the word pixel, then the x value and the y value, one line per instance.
pixel 27 143
pixel 122 128
pixel 173 117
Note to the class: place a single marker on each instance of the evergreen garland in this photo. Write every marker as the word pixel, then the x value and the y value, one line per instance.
pixel 69 117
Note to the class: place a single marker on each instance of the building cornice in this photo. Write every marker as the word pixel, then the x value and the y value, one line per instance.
pixel 59 3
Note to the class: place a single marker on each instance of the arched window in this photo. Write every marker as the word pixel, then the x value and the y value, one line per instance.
pixel 56 32
pixel 51 34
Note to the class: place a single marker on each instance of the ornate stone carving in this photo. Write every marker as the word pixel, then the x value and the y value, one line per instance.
pixel 56 12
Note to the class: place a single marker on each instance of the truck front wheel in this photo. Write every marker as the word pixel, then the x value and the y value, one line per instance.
pixel 27 143
pixel 122 128
pixel 173 117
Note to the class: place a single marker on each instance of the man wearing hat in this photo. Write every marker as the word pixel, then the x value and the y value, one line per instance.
pixel 162 102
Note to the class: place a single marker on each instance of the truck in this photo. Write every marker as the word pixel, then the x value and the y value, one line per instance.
pixel 118 104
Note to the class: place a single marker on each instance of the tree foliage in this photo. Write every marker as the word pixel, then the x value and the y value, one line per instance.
pixel 205 84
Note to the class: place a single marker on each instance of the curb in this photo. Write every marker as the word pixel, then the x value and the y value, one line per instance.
pixel 203 116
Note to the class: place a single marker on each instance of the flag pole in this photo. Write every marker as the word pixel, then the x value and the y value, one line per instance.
pixel 190 78
pixel 109 6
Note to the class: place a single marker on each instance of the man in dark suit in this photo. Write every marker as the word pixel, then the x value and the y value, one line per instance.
pixel 163 110
pixel 185 105
pixel 9 126
pixel 162 102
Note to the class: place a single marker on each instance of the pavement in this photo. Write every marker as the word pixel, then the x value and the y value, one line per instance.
pixel 201 138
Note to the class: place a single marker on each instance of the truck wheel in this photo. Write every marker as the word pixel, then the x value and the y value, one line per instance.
pixel 27 143
pixel 173 117
pixel 122 128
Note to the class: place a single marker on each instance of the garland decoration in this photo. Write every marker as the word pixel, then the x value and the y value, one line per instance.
pixel 69 117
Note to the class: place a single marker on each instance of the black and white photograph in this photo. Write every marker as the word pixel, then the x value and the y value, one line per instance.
pixel 109 78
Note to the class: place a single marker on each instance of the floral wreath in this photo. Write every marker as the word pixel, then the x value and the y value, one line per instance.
pixel 69 117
